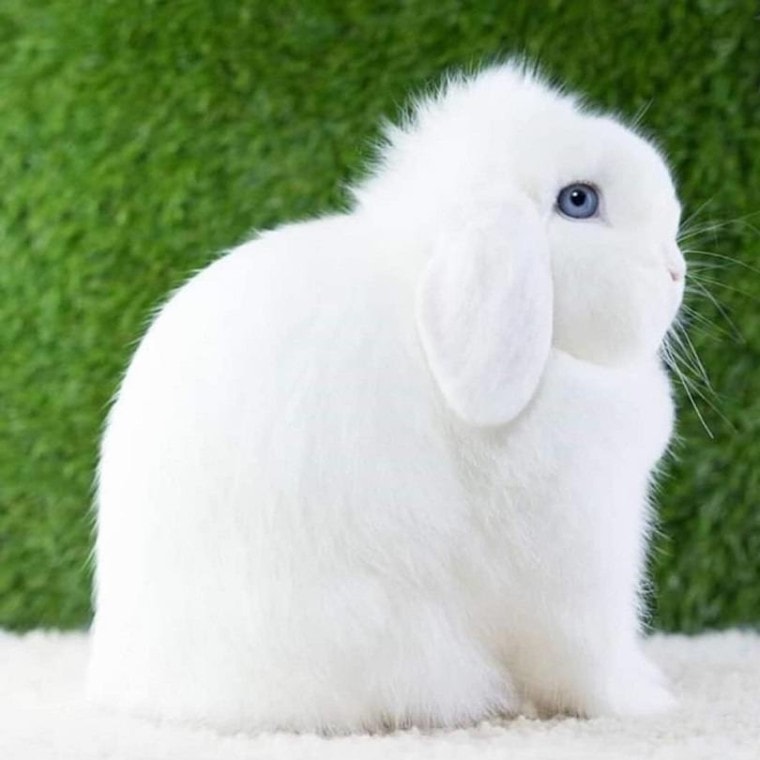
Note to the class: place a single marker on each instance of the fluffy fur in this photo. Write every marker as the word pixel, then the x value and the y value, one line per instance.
pixel 716 677
pixel 392 466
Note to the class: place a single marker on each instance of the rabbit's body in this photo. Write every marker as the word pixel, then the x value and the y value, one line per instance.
pixel 295 532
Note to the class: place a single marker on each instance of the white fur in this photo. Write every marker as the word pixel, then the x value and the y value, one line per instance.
pixel 338 493
pixel 716 677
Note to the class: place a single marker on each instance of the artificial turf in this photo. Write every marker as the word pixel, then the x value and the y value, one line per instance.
pixel 138 138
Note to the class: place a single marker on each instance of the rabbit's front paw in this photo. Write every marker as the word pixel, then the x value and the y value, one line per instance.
pixel 640 690
pixel 641 698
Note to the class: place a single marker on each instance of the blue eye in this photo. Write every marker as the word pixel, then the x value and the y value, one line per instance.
pixel 578 201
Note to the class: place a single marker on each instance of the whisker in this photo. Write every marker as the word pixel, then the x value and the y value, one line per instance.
pixel 685 384
pixel 690 230
pixel 705 325
pixel 721 310
pixel 700 230
pixel 687 366
pixel 694 214
pixel 705 268
pixel 688 346
pixel 723 257
pixel 692 389
pixel 708 265
pixel 706 398
pixel 719 284
pixel 639 116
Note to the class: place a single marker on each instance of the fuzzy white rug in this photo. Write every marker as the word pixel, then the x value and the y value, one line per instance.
pixel 716 677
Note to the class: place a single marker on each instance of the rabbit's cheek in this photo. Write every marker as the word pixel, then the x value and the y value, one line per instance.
pixel 667 294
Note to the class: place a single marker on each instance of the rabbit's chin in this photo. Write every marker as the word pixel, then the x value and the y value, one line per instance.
pixel 620 326
pixel 614 344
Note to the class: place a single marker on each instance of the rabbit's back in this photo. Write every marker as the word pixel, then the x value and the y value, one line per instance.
pixel 277 505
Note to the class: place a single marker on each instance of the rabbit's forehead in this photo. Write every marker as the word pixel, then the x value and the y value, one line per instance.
pixel 577 147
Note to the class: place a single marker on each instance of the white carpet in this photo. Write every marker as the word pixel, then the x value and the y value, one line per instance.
pixel 716 678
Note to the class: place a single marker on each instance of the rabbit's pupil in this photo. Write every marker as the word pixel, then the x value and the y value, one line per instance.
pixel 578 197
pixel 578 201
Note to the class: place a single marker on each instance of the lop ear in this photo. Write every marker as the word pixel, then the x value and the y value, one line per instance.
pixel 484 313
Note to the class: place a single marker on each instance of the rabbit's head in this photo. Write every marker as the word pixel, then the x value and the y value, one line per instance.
pixel 597 194
pixel 611 220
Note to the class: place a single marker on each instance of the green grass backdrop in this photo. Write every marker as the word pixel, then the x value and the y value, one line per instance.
pixel 139 137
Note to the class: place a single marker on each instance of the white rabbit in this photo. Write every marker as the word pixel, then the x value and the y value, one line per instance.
pixel 392 466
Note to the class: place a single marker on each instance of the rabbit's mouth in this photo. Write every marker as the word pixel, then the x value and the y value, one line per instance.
pixel 678 287
pixel 676 266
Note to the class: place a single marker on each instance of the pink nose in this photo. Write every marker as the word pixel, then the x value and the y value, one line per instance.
pixel 675 262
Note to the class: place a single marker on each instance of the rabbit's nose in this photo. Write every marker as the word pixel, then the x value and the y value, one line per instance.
pixel 675 263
